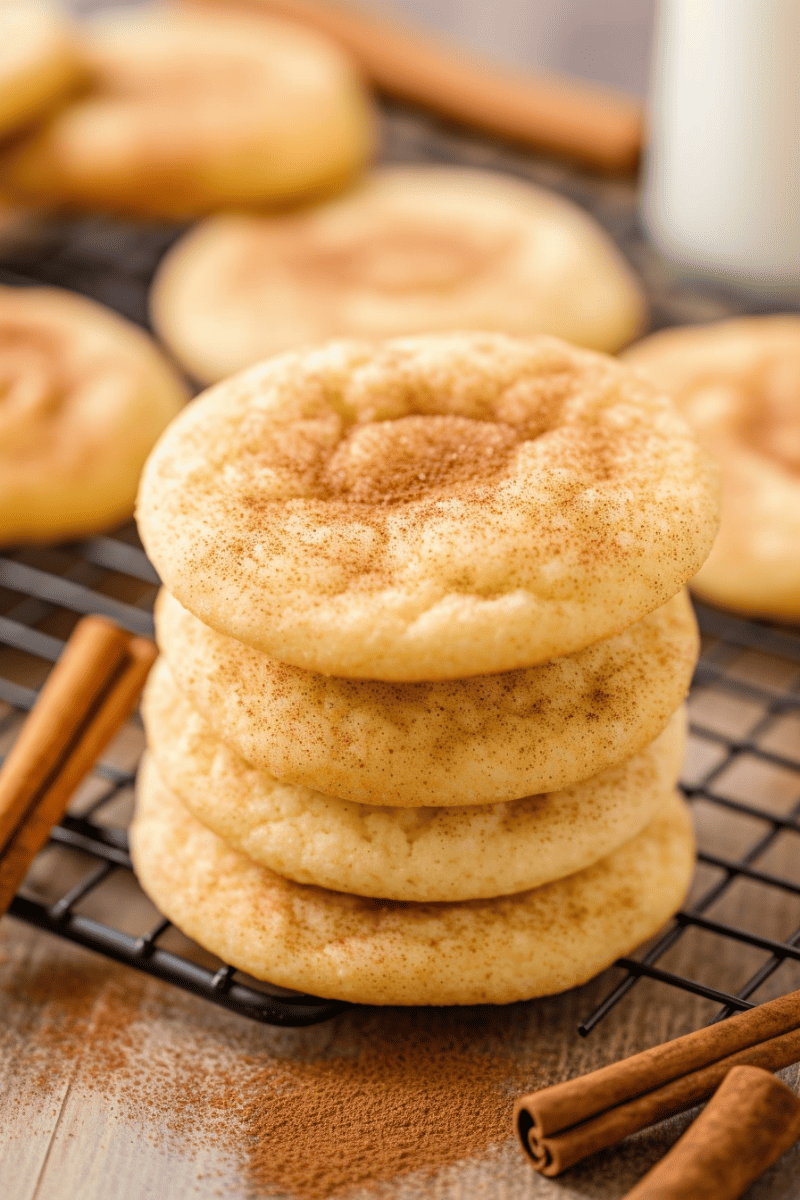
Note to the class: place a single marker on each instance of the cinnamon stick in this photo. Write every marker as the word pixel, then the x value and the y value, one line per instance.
pixel 562 1150
pixel 579 121
pixel 93 724
pixel 560 1125
pixel 750 1121
pixel 93 655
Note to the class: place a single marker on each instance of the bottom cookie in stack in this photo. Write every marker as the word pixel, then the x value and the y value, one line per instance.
pixel 482 903
pixel 371 951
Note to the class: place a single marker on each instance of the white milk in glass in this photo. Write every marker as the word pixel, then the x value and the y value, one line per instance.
pixel 722 174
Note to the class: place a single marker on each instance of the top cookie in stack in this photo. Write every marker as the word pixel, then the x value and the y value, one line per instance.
pixel 430 508
pixel 414 738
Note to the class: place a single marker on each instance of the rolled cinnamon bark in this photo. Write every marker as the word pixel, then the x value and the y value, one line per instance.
pixel 95 728
pixel 750 1121
pixel 577 120
pixel 560 1125
pixel 93 656
pixel 554 1154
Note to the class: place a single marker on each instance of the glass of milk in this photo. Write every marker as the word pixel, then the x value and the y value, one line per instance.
pixel 722 174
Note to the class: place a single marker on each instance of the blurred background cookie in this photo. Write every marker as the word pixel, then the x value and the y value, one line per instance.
pixel 409 250
pixel 39 60
pixel 190 111
pixel 84 396
pixel 738 383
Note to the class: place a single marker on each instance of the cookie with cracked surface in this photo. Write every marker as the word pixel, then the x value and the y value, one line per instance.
pixel 738 384
pixel 463 741
pixel 428 508
pixel 190 112
pixel 387 952
pixel 409 250
pixel 83 396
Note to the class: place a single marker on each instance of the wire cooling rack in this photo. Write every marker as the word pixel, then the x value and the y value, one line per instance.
pixel 771 709
pixel 42 592
pixel 53 588
pixel 41 588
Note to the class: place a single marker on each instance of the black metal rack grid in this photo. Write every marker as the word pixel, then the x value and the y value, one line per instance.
pixel 725 637
pixel 34 593
pixel 113 261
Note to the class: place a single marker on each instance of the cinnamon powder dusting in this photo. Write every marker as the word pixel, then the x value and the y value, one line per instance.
pixel 393 461
pixel 303 1113
pixel 344 1122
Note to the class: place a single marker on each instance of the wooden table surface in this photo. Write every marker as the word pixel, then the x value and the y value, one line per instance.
pixel 114 1085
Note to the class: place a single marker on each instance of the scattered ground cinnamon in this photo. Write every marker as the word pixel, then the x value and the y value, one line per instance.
pixel 344 1122
pixel 297 1112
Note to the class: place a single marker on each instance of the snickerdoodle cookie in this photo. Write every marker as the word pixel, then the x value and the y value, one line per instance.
pixel 39 60
pixel 188 112
pixel 738 384
pixel 428 508
pixel 418 853
pixel 410 250
pixel 390 952
pixel 83 396
pixel 464 741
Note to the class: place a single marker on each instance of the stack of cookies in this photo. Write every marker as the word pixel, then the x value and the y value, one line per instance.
pixel 415 733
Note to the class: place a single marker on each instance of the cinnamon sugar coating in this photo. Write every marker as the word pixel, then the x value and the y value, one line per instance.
pixel 189 111
pixel 410 249
pixel 300 507
pixel 417 853
pixel 466 741
pixel 738 385
pixel 388 952
pixel 83 396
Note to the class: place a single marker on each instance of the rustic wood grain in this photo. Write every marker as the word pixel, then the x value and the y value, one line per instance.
pixel 67 1135
pixel 78 1125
